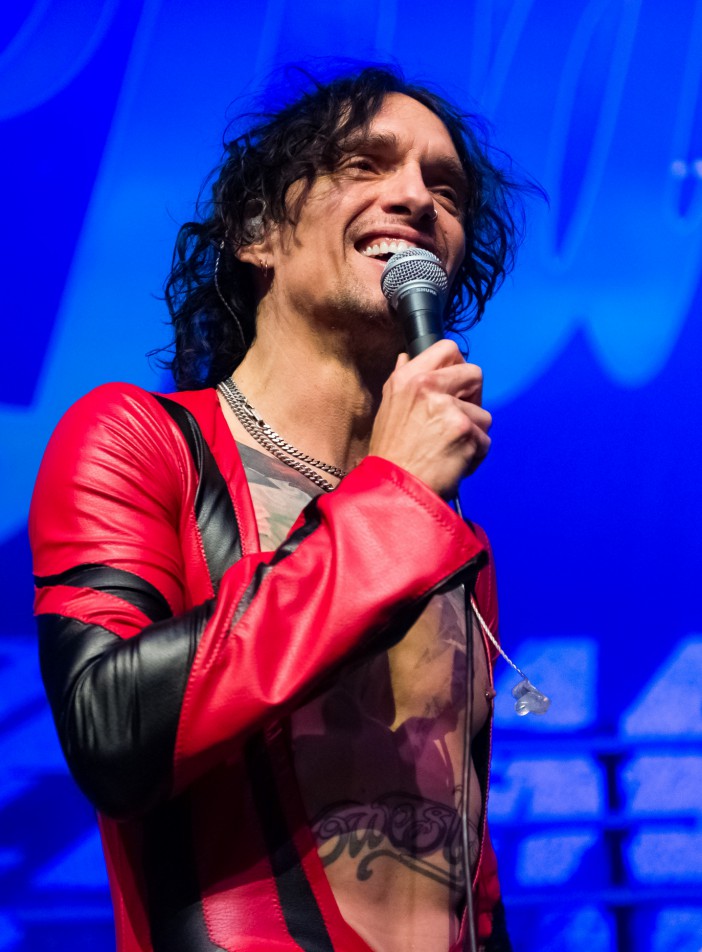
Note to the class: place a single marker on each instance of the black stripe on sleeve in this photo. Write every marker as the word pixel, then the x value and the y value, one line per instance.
pixel 214 511
pixel 170 865
pixel 312 521
pixel 116 704
pixel 284 550
pixel 302 915
pixel 104 578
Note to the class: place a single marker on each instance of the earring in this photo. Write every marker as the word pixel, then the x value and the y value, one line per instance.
pixel 435 214
pixel 264 268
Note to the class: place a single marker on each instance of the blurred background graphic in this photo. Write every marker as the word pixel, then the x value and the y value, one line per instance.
pixel 111 114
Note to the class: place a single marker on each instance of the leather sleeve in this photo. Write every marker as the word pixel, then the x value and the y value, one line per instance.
pixel 155 674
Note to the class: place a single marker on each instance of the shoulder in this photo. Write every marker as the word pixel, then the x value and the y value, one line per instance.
pixel 113 407
pixel 110 402
pixel 116 431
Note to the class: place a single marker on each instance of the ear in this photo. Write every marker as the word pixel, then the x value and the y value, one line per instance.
pixel 256 252
pixel 256 240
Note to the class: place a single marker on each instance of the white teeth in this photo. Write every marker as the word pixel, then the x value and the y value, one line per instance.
pixel 384 247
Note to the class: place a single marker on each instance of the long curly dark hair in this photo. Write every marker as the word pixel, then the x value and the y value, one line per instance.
pixel 294 144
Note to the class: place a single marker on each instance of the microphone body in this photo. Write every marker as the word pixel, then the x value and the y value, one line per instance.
pixel 416 285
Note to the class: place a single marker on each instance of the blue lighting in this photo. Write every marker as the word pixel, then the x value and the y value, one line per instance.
pixel 112 113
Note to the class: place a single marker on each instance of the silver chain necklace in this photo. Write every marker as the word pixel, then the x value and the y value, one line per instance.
pixel 271 441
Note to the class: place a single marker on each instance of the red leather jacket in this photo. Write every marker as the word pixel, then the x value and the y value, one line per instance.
pixel 172 651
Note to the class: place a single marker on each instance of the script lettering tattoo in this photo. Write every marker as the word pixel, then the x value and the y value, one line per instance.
pixel 403 827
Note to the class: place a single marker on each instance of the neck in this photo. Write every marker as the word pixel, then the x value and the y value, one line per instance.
pixel 319 390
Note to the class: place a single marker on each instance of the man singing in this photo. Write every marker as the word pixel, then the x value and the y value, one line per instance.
pixel 254 602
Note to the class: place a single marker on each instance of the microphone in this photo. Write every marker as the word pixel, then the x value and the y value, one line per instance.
pixel 415 284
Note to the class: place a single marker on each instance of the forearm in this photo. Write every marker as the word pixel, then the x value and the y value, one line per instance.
pixel 116 702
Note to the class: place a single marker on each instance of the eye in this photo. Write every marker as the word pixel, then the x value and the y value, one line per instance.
pixel 448 197
pixel 360 163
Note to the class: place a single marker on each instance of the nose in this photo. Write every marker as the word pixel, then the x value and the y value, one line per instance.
pixel 406 194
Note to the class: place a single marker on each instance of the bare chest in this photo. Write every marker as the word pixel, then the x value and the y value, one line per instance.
pixel 378 758
pixel 391 730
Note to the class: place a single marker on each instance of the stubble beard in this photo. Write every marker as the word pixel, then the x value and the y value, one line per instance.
pixel 364 313
pixel 357 323
pixel 372 335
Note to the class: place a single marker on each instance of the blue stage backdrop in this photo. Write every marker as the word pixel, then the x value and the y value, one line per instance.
pixel 112 112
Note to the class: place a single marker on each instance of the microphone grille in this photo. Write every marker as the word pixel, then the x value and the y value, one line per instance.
pixel 412 264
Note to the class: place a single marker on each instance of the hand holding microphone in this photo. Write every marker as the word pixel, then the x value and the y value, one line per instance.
pixel 430 420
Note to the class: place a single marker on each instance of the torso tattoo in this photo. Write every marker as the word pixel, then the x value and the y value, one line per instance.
pixel 378 755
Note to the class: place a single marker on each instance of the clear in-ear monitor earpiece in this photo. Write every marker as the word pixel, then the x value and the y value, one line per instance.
pixel 528 699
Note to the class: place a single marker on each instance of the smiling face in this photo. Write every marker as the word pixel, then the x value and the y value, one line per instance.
pixel 398 184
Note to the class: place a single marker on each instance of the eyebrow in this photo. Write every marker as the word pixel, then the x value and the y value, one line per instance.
pixel 449 165
pixel 370 140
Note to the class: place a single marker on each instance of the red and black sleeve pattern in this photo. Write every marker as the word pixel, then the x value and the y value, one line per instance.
pixel 164 643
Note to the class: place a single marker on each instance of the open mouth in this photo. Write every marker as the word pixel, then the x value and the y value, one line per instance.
pixel 385 248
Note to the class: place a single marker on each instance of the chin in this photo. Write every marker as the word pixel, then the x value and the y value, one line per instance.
pixel 366 310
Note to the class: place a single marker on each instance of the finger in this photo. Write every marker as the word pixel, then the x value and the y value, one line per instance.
pixel 463 381
pixel 471 422
pixel 477 443
pixel 477 415
pixel 481 443
pixel 441 354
